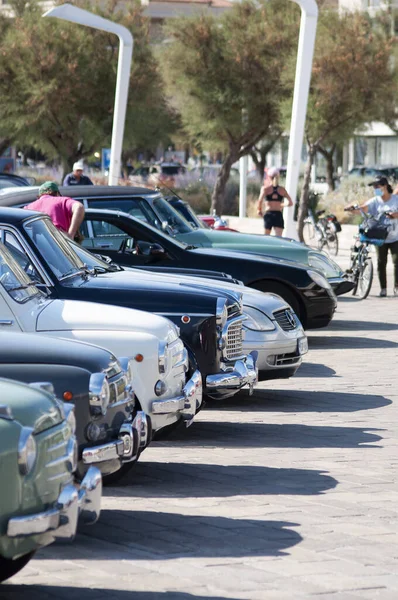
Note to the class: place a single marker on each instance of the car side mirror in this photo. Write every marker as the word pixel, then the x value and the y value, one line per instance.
pixel 156 251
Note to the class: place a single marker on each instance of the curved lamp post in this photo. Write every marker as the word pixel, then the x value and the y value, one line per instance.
pixel 67 12
pixel 305 52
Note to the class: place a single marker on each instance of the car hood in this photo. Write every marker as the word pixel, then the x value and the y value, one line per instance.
pixel 28 348
pixel 265 244
pixel 247 256
pixel 73 315
pixel 156 295
pixel 29 406
pixel 266 302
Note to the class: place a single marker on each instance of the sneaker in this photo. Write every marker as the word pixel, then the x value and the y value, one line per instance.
pixel 383 293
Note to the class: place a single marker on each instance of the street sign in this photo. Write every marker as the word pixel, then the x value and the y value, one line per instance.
pixel 105 159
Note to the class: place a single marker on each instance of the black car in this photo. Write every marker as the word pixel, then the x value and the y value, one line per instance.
pixel 210 322
pixel 75 370
pixel 11 180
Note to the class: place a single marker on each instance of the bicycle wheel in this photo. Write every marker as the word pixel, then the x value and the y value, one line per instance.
pixel 333 243
pixel 310 234
pixel 365 279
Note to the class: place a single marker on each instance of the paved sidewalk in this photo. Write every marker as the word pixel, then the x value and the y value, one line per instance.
pixel 291 493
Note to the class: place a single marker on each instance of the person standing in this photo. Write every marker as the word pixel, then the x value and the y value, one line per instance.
pixel 385 201
pixel 66 214
pixel 77 177
pixel 276 199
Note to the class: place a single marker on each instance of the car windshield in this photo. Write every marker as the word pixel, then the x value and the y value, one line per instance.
pixel 54 248
pixel 90 260
pixel 172 221
pixel 189 214
pixel 14 279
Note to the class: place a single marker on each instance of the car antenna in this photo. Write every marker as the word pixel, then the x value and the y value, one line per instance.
pixel 160 184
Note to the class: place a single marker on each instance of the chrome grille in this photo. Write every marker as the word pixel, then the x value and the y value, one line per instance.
pixel 234 340
pixel 179 357
pixel 117 388
pixel 286 319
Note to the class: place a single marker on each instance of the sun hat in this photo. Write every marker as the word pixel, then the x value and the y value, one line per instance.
pixel 48 187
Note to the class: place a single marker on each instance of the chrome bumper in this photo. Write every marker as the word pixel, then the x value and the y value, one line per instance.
pixel 60 522
pixel 230 381
pixel 187 404
pixel 133 437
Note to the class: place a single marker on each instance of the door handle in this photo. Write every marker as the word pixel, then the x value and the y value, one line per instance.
pixel 6 322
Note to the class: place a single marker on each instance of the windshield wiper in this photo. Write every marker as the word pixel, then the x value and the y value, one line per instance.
pixel 22 287
pixel 72 273
pixel 191 247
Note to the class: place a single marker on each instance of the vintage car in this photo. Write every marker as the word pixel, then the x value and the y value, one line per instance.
pixel 158 361
pixel 271 328
pixel 110 432
pixel 151 207
pixel 210 322
pixel 133 243
pixel 39 501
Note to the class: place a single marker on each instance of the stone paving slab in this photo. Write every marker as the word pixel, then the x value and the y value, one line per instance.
pixel 290 493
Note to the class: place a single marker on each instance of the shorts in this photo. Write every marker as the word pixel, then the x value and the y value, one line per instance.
pixel 273 218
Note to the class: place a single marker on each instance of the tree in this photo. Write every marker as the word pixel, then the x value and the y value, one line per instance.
pixel 262 148
pixel 352 74
pixel 225 76
pixel 57 82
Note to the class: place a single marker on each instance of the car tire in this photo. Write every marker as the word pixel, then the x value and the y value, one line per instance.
pixel 9 567
pixel 274 287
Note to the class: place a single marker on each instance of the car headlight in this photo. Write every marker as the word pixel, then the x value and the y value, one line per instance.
pixel 69 411
pixel 99 394
pixel 27 451
pixel 256 320
pixel 319 279
pixel 324 264
pixel 221 312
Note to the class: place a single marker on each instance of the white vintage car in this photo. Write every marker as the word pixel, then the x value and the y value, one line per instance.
pixel 158 359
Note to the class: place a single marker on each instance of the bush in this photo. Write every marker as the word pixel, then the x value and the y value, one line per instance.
pixel 350 191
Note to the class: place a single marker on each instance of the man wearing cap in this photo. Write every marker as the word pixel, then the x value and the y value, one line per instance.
pixel 66 214
pixel 384 202
pixel 77 177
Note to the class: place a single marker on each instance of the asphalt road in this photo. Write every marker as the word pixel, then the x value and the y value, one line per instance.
pixel 291 493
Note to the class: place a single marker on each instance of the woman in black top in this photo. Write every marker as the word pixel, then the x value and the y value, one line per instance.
pixel 276 198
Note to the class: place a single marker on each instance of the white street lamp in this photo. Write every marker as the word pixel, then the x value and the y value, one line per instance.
pixel 67 12
pixel 305 52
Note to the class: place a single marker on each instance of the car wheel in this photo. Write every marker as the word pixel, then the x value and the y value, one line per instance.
pixel 274 287
pixel 9 567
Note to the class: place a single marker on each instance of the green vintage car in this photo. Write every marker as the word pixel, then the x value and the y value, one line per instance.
pixel 39 502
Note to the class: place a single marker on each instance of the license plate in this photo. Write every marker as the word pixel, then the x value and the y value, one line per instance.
pixel 302 346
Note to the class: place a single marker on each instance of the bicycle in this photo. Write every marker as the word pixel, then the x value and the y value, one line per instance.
pixel 322 233
pixel 361 268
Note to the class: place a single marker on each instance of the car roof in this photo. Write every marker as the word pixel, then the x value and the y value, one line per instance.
pixel 16 215
pixel 26 195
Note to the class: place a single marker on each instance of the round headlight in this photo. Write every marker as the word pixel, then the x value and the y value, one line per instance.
pixel 26 451
pixel 319 279
pixel 256 320
pixel 160 387
pixel 99 393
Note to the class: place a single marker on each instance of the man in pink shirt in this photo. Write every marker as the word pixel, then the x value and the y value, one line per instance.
pixel 66 214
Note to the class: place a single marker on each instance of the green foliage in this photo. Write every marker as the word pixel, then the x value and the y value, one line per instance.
pixel 216 67
pixel 57 81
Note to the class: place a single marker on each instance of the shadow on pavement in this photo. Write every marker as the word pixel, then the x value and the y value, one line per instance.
pixel 148 535
pixel 176 479
pixel 308 369
pixel 297 401
pixel 337 325
pixel 52 592
pixel 271 435
pixel 333 342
